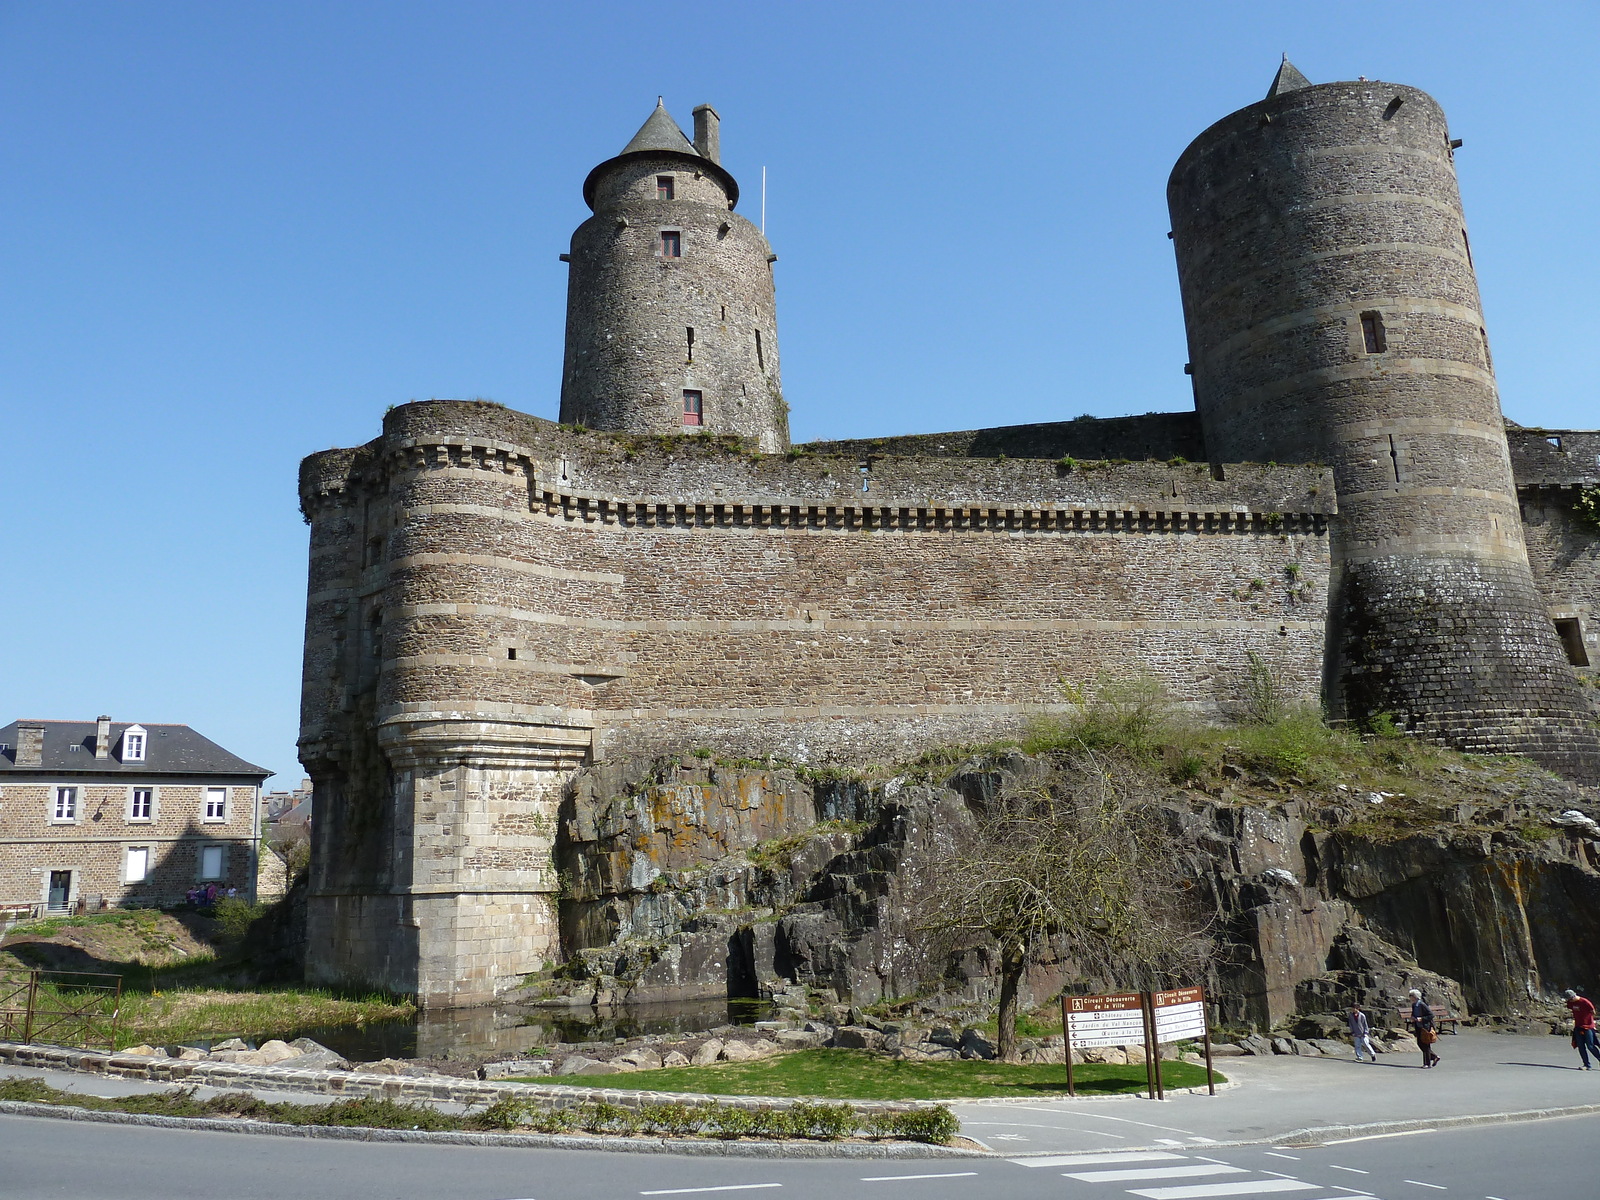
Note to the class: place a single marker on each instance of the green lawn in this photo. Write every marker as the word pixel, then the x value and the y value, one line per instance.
pixel 859 1075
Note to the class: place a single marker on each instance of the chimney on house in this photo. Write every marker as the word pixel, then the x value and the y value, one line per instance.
pixel 102 737
pixel 708 133
pixel 30 744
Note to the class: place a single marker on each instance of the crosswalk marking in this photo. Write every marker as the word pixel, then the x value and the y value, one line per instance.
pixel 1095 1160
pixel 1136 1173
pixel 1242 1187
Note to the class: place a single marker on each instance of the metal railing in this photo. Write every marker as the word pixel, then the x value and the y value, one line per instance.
pixel 79 1009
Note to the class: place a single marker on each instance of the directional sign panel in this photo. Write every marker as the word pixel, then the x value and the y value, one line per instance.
pixel 1104 1020
pixel 1180 1014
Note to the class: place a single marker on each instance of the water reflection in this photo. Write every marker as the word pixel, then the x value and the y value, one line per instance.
pixel 510 1030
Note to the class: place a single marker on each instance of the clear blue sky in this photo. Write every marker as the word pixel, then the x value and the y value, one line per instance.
pixel 232 233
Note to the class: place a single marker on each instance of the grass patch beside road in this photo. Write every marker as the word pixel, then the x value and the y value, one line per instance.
pixel 167 1017
pixel 859 1075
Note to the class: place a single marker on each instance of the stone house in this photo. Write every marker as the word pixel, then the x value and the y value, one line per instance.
pixel 100 814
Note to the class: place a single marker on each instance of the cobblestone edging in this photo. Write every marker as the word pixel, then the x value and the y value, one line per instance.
pixel 348 1084
pixel 533 1141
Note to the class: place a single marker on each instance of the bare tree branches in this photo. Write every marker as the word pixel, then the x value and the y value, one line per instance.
pixel 1072 859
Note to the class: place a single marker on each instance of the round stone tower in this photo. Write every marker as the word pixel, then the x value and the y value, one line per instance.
pixel 671 319
pixel 1333 316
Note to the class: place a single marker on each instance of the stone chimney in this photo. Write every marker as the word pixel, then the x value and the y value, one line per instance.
pixel 102 737
pixel 30 744
pixel 708 133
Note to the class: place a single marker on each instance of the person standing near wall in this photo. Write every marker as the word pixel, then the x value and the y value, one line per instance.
pixel 1583 1031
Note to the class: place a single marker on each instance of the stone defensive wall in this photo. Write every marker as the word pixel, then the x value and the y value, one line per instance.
pixel 677 591
pixel 1160 436
pixel 1554 467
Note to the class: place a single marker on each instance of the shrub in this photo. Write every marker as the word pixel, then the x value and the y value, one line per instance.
pixel 607 1118
pixel 236 916
pixel 826 1122
pixel 936 1125
pixel 771 1123
pixel 729 1122
pixel 676 1120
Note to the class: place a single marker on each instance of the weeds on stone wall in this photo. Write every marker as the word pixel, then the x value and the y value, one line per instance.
pixel 1586 508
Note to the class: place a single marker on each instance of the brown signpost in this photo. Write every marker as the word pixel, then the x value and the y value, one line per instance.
pixel 1109 1020
pixel 1147 1018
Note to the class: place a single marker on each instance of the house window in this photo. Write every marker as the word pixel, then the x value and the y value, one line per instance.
pixel 665 185
pixel 1372 332
pixel 1571 631
pixel 66 804
pixel 133 742
pixel 141 804
pixel 693 408
pixel 671 244
pixel 137 867
pixel 211 862
pixel 216 804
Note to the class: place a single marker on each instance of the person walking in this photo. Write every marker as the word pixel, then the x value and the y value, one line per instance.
pixel 1583 1031
pixel 1422 1025
pixel 1361 1033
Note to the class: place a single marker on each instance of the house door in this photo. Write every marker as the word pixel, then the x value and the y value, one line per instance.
pixel 60 889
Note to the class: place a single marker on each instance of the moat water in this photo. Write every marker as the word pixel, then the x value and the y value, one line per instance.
pixel 517 1029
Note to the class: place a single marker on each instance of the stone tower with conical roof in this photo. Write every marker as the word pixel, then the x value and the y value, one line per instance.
pixel 671 321
pixel 1333 315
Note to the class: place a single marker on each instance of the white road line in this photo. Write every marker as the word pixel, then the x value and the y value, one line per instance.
pixel 893 1178
pixel 1275 1154
pixel 1095 1160
pixel 1121 1137
pixel 1438 1187
pixel 1242 1187
pixel 1373 1137
pixel 1136 1173
pixel 1197 1138
pixel 1099 1117
pixel 729 1187
pixel 1352 1191
pixel 1166 1141
pixel 1352 1170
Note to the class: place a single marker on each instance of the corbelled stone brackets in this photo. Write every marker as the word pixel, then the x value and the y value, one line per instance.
pixel 467 905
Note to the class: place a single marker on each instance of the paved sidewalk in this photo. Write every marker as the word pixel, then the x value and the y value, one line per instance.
pixel 1482 1074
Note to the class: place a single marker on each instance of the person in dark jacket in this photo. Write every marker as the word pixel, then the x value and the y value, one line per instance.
pixel 1422 1025
pixel 1583 1032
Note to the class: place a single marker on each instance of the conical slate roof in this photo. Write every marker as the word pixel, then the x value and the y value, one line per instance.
pixel 1288 79
pixel 660 132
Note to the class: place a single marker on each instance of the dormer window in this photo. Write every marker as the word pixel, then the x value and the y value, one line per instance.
pixel 133 742
pixel 665 187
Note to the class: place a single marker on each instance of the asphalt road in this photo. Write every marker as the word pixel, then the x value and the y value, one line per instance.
pixel 42 1158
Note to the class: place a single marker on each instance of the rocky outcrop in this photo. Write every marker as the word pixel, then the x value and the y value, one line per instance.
pixel 695 878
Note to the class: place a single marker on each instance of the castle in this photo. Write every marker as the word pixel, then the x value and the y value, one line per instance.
pixel 496 600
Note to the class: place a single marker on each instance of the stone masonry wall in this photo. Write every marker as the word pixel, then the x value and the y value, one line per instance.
pixel 499 597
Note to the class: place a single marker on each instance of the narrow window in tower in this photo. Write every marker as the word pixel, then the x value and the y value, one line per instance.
pixel 688 332
pixel 511 654
pixel 1373 332
pixel 1468 246
pixel 671 244
pixel 1571 633
pixel 664 187
pixel 692 408
pixel 1488 358
pixel 761 357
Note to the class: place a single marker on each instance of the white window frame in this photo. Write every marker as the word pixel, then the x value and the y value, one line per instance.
pixel 205 811
pixel 221 849
pixel 68 792
pixel 135 743
pixel 128 877
pixel 133 812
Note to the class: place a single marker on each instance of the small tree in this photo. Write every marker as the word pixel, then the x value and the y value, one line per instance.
pixel 1074 860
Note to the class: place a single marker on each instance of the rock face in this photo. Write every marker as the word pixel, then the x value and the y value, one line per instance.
pixel 692 879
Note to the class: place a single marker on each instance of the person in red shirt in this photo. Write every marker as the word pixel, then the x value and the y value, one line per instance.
pixel 1583 1032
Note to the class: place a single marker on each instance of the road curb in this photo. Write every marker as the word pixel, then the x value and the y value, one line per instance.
pixel 531 1141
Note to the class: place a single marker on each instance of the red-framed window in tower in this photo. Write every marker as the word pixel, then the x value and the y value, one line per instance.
pixel 693 407
pixel 671 244
pixel 666 185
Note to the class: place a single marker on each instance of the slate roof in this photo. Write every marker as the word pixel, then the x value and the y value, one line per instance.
pixel 1288 79
pixel 169 750
pixel 660 134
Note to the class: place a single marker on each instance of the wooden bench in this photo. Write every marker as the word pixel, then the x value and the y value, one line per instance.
pixel 1442 1020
